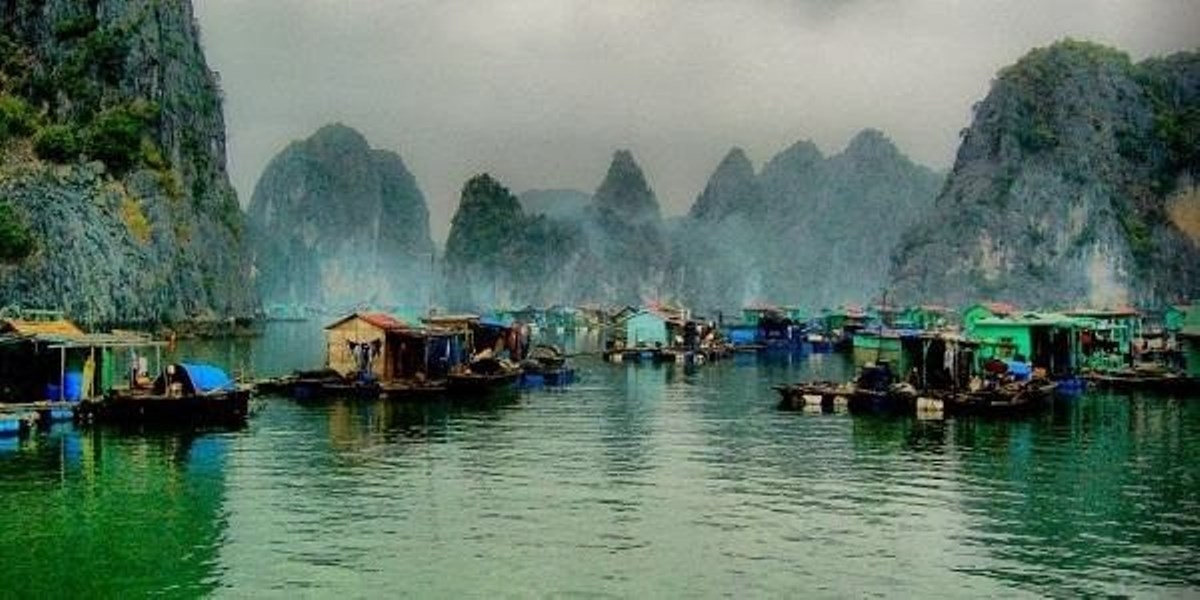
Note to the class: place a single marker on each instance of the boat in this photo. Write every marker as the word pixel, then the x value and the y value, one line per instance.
pixel 482 376
pixel 185 393
pixel 546 365
pixel 1012 398
pixel 1154 379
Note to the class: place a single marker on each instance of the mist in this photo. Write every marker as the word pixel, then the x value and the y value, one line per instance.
pixel 540 92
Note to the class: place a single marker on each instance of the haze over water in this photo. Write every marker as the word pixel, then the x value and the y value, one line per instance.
pixel 637 481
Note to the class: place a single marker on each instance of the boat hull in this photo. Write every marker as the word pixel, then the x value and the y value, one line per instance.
pixel 119 408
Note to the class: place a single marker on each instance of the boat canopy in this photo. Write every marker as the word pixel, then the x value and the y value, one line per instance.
pixel 207 378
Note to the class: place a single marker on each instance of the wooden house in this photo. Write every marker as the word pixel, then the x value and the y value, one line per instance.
pixel 359 340
pixel 481 334
pixel 44 356
pixel 392 350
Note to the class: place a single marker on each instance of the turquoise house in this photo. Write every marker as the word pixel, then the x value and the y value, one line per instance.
pixel 646 328
pixel 1046 340
pixel 1189 340
pixel 1175 316
pixel 985 310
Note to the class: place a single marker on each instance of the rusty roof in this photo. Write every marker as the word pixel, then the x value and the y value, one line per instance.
pixel 60 328
pixel 383 321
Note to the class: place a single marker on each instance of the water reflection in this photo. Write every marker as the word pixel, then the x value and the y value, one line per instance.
pixel 94 513
pixel 640 480
pixel 1099 496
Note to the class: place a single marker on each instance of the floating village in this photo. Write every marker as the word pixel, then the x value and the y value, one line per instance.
pixel 988 359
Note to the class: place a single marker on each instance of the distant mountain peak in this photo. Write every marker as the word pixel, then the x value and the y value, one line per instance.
pixel 339 136
pixel 337 223
pixel 730 188
pixel 625 191
pixel 871 144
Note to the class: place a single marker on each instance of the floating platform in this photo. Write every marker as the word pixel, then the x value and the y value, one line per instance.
pixel 21 419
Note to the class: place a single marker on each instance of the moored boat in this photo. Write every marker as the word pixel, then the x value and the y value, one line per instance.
pixel 1014 398
pixel 546 365
pixel 185 393
pixel 482 376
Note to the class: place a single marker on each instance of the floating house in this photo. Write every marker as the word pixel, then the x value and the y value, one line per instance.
pixel 647 328
pixel 380 347
pixel 1106 337
pixel 986 310
pixel 1189 340
pixel 356 345
pixel 43 356
pixel 926 359
pixel 1175 316
pixel 841 324
pixel 924 317
pixel 769 326
pixel 1049 341
pixel 482 334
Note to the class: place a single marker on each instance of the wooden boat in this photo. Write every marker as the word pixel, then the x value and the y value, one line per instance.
pixel 1007 399
pixel 483 376
pixel 185 393
pixel 1156 380
pixel 546 365
pixel 481 383
pixel 893 399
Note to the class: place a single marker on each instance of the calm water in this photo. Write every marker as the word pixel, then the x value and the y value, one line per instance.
pixel 638 481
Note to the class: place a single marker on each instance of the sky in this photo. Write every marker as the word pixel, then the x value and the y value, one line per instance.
pixel 540 93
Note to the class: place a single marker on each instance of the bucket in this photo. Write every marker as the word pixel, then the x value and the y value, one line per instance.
pixel 73 386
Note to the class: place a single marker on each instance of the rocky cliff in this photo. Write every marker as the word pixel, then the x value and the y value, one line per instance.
pixel 112 165
pixel 807 230
pixel 336 223
pixel 497 254
pixel 715 248
pixel 1073 184
pixel 625 231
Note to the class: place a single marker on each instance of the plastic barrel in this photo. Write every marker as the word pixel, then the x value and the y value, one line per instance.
pixel 10 426
pixel 73 386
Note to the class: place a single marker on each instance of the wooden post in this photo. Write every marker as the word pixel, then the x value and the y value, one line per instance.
pixel 62 373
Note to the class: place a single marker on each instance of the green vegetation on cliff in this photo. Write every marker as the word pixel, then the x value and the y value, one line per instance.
pixel 498 255
pixel 112 151
pixel 16 242
pixel 1063 186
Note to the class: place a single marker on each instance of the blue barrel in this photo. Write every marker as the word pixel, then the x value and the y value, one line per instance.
pixel 10 425
pixel 73 386
pixel 52 391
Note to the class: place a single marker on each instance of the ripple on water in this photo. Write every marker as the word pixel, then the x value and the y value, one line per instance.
pixel 643 481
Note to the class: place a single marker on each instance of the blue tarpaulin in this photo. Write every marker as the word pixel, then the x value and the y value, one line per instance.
pixel 207 378
pixel 1020 370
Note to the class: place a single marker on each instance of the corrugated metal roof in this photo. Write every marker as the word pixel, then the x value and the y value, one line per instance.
pixel 1029 320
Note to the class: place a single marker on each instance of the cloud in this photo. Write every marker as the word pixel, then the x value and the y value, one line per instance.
pixel 541 92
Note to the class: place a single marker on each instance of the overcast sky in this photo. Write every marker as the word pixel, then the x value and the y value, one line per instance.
pixel 541 92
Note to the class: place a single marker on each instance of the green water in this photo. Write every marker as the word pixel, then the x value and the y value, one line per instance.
pixel 638 481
